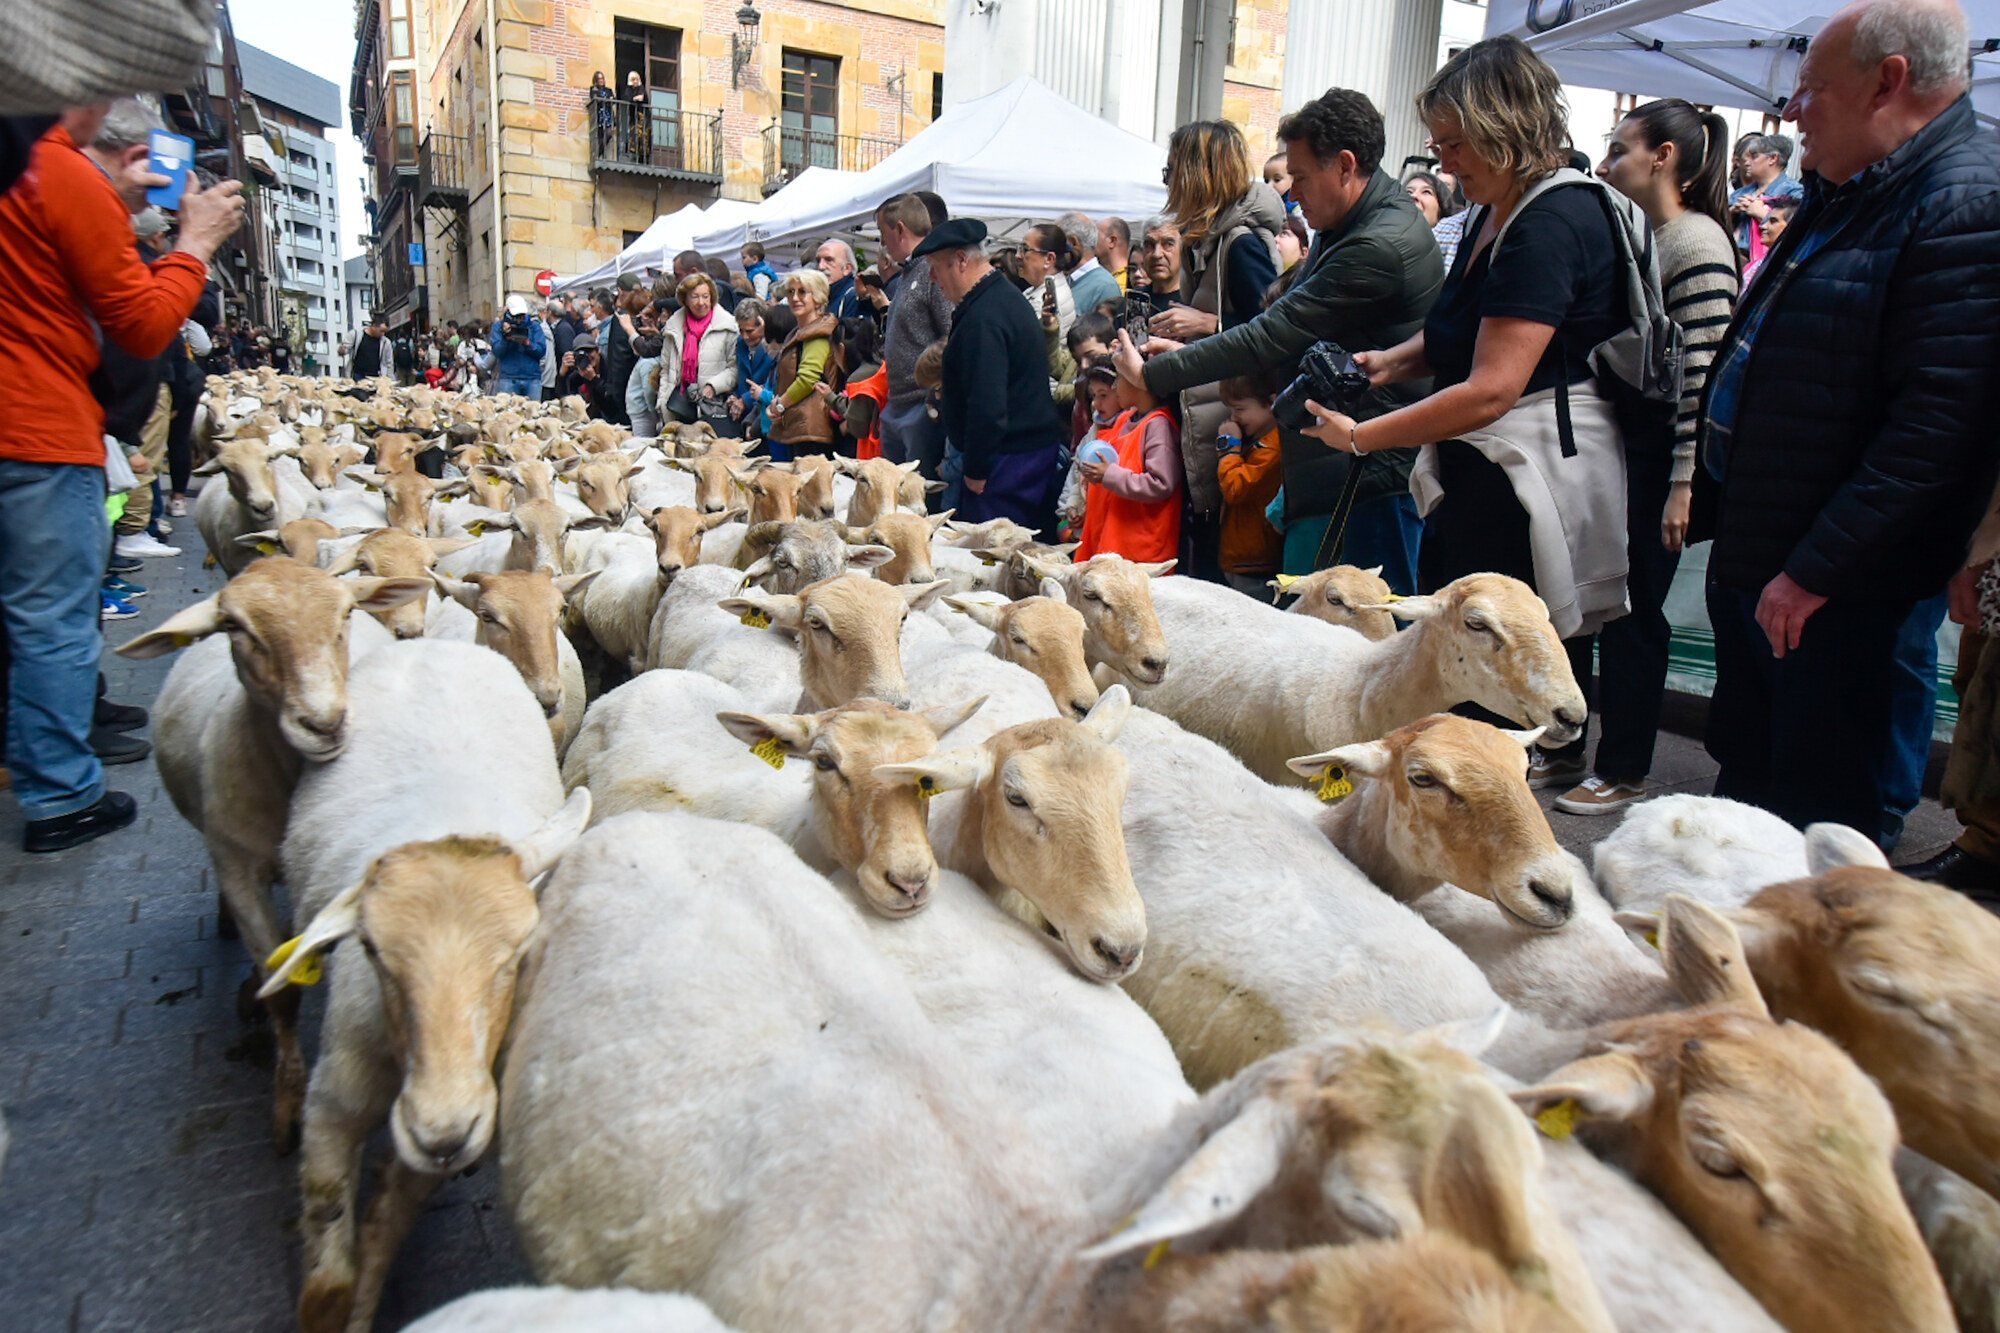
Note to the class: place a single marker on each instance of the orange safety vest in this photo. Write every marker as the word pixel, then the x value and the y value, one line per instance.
pixel 876 389
pixel 1114 525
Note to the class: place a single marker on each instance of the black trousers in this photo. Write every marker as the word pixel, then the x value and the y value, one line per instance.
pixel 1806 737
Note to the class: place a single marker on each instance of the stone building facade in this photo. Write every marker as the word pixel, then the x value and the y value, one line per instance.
pixel 1255 74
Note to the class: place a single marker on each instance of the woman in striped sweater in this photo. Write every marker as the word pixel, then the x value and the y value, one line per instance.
pixel 1673 161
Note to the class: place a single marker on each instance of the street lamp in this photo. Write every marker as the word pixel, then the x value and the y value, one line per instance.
pixel 743 43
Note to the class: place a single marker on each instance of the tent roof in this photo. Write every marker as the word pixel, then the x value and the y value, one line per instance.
pixel 1741 53
pixel 667 236
pixel 1018 154
pixel 813 186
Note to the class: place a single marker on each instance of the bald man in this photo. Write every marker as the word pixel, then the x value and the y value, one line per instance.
pixel 835 258
pixel 1849 420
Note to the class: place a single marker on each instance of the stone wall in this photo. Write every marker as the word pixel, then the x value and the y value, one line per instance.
pixel 1251 82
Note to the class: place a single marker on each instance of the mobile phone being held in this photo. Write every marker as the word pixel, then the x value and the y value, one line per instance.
pixel 170 155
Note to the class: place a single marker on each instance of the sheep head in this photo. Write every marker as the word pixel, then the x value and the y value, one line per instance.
pixel 1045 635
pixel 881 487
pixel 519 614
pixel 908 536
pixel 816 474
pixel 773 489
pixel 677 534
pixel 1489 642
pixel 849 633
pixel 393 553
pixel 539 527
pixel 1121 629
pixel 1342 595
pixel 245 464
pixel 787 557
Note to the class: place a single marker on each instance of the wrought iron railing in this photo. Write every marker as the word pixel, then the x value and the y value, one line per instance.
pixel 789 150
pixel 441 163
pixel 654 140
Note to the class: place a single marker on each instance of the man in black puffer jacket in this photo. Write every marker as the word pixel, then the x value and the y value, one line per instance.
pixel 1850 416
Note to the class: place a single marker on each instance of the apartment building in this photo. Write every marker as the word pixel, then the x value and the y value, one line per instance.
pixel 296 109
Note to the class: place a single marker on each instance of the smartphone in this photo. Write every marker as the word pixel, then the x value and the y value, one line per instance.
pixel 171 155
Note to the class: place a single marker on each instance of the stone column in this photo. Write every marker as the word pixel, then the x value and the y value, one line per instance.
pixel 1384 48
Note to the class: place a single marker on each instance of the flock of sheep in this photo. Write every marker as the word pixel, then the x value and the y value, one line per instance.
pixel 835 917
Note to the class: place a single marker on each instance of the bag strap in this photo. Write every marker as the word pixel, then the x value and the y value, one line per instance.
pixel 1335 537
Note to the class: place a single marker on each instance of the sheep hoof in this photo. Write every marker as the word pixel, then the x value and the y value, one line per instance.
pixel 225 920
pixel 208 561
pixel 325 1304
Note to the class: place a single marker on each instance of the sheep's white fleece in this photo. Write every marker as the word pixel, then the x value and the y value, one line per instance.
pixel 1715 850
pixel 221 520
pixel 452 623
pixel 616 607
pixel 562 1310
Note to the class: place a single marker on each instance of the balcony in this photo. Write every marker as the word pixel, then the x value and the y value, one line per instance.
pixel 441 163
pixel 657 141
pixel 789 150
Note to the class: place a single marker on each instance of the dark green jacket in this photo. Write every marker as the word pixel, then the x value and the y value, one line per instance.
pixel 1367 284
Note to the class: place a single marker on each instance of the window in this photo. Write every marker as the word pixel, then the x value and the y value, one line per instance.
pixel 399 29
pixel 654 54
pixel 631 238
pixel 403 115
pixel 810 110
pixel 937 95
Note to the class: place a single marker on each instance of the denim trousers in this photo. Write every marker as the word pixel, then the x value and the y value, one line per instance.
pixel 1913 703
pixel 528 386
pixel 53 537
pixel 640 405
pixel 1807 736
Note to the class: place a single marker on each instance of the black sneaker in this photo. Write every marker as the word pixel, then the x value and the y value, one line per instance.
pixel 119 717
pixel 124 564
pixel 113 811
pixel 115 747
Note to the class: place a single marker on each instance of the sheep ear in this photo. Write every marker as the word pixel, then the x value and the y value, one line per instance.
pixel 367 476
pixel 1222 1178
pixel 1704 957
pixel 181 629
pixel 1612 1086
pixel 445 490
pixel 853 536
pixel 465 594
pixel 335 922
pixel 257 541
pixel 377 595
pixel 710 522
pixel 755 570
pixel 540 850
pixel 1467 1036
pixel 869 557
pixel 443 546
pixel 480 526
pixel 1643 927
pixel 1107 716
pixel 939 520
pixel 213 465
pixel 346 562
pixel 591 524
pixel 1482 1168
pixel 1367 759
pixel 569 585
pixel 781 609
pixel 1154 571
pixel 1408 608
pixel 1831 846
pixel 917 596
pixel 1053 588
pixel 984 614
pixel 1526 739
pixel 949 717
pixel 934 487
pixel 792 731
pixel 947 770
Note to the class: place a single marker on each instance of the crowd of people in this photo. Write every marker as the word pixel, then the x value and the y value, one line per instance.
pixel 1512 360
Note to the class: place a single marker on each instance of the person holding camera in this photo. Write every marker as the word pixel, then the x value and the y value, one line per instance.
pixel 1368 281
pixel 580 370
pixel 518 343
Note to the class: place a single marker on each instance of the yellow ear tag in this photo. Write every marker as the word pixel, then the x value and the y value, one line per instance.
pixel 1333 784
pixel 267 548
pixel 307 973
pixel 477 527
pixel 988 560
pixel 770 751
pixel 1653 937
pixel 1559 1120
pixel 1156 1254
pixel 1394 597
pixel 756 620
pixel 927 787
pixel 1285 581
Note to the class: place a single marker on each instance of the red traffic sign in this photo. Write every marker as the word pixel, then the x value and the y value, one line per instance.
pixel 545 282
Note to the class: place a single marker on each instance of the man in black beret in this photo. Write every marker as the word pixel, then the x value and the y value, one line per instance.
pixel 996 407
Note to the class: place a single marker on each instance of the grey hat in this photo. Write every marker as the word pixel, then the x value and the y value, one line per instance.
pixel 956 234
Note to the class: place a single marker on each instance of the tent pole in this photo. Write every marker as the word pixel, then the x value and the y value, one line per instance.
pixel 1763 95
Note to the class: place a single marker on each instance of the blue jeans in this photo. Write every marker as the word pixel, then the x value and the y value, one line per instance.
pixel 1913 711
pixel 528 386
pixel 1385 531
pixel 640 405
pixel 53 539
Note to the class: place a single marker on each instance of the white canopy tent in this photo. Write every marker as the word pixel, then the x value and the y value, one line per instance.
pixel 807 190
pixel 656 246
pixel 1018 155
pixel 1729 53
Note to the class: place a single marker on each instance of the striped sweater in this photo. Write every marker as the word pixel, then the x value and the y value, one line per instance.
pixel 1698 276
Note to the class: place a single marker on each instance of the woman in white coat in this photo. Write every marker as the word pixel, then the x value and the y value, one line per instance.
pixel 697 351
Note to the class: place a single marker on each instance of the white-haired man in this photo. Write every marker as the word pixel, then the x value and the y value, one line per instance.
pixel 1090 282
pixel 1849 420
pixel 835 258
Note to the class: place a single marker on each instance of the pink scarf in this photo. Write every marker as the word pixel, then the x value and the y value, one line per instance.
pixel 691 351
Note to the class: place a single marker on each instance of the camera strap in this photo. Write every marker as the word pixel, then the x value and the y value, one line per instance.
pixel 1336 528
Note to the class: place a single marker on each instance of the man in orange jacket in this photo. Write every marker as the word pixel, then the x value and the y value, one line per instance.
pixel 71 269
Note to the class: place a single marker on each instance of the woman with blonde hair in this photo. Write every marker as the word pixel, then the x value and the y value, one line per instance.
pixel 697 352
pixel 802 421
pixel 1523 466
pixel 1229 222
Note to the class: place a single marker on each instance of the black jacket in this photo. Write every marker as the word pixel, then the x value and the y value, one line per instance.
pixel 1863 449
pixel 996 378
pixel 1367 283
pixel 562 333
pixel 372 357
pixel 617 372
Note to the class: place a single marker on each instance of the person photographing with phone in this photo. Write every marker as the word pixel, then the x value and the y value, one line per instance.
pixel 69 260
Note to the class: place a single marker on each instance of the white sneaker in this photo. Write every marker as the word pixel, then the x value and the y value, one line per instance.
pixel 134 544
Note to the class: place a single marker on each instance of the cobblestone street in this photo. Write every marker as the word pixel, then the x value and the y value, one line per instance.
pixel 142 1192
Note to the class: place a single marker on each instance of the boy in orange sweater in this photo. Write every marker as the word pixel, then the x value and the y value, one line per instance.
pixel 1249 476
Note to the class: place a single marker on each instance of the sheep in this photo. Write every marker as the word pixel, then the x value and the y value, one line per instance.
pixel 817 487
pixel 237 719
pixel 848 631
pixel 407 496
pixel 715 481
pixel 909 537
pixel 601 484
pixel 409 859
pixel 1044 635
pixel 1342 595
pixel 883 487
pixel 562 1310
pixel 785 557
pixel 251 495
pixel 616 610
pixel 1708 848
pixel 1121 630
pixel 1297 686
pixel 393 553
pixel 1961 1227
pixel 529 537
pixel 1765 1139
pixel 322 462
pixel 518 614
pixel 298 539
pixel 764 1006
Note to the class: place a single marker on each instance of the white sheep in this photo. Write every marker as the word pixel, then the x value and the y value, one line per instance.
pixel 563 1310
pixel 518 614
pixel 1269 686
pixel 1707 848
pixel 259 487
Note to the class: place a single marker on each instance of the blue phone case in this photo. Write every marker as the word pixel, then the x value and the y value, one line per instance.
pixel 172 156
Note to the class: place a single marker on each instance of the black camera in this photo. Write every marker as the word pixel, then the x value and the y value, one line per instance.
pixel 515 326
pixel 1328 376
pixel 1138 318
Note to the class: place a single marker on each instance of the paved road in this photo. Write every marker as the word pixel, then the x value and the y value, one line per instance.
pixel 142 1192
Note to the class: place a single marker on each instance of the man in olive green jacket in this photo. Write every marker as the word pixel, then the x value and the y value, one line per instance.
pixel 1368 282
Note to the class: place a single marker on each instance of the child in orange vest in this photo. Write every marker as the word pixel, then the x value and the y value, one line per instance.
pixel 1133 505
pixel 1247 471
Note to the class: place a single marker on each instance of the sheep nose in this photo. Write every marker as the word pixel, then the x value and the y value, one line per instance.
pixel 1571 717
pixel 325 728
pixel 1553 895
pixel 1120 957
pixel 551 707
pixel 1156 665
pixel 913 887
pixel 1079 708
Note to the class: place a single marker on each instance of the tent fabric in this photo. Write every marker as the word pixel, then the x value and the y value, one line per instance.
pixel 1020 154
pixel 810 188
pixel 659 243
pixel 1739 53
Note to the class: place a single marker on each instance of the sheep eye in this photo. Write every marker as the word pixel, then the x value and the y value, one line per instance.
pixel 1419 778
pixel 1335 599
pixel 1713 1157
pixel 1477 626
pixel 824 763
pixel 1018 641
pixel 1091 597
pixel 783 562
pixel 1018 801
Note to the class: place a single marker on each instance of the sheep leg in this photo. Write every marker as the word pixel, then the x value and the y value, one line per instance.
pixel 243 876
pixel 341 1107
pixel 390 1216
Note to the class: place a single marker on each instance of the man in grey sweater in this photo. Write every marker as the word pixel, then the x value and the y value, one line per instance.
pixel 919 315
